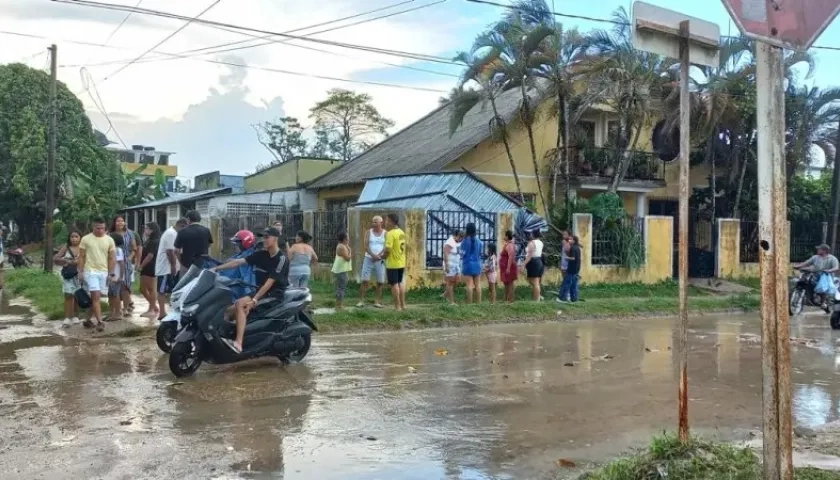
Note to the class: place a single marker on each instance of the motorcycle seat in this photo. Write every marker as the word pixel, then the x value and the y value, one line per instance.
pixel 295 294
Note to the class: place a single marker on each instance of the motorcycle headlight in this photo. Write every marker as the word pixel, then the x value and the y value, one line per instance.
pixel 189 310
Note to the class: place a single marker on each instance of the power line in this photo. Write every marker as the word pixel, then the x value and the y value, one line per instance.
pixel 242 29
pixel 125 19
pixel 90 87
pixel 182 27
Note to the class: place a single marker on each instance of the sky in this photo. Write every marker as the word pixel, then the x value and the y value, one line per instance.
pixel 204 112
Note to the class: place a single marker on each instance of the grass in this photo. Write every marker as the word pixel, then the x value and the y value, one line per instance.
pixel 439 314
pixel 666 457
pixel 42 289
pixel 324 293
pixel 752 282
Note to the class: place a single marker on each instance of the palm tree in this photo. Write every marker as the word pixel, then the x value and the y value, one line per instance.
pixel 465 99
pixel 513 48
pixel 629 82
pixel 557 65
pixel 811 119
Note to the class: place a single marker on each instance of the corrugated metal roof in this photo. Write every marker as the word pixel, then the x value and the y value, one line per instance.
pixel 424 146
pixel 436 191
pixel 174 198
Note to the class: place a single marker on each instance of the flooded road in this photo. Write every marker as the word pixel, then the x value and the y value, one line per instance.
pixel 494 402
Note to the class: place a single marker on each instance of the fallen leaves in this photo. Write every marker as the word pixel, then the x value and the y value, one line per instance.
pixel 562 462
pixel 440 352
pixel 412 370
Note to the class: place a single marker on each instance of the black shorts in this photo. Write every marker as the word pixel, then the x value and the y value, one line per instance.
pixel 165 283
pixel 395 275
pixel 535 268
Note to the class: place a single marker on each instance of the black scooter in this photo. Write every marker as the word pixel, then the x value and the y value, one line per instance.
pixel 276 327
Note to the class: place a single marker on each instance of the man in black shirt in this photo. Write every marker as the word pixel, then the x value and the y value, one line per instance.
pixel 271 270
pixel 194 242
pixel 569 289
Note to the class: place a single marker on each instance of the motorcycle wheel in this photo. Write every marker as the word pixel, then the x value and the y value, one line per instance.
pixel 297 356
pixel 797 299
pixel 184 359
pixel 166 336
pixel 835 321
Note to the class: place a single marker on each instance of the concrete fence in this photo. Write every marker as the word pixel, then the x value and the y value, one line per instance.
pixel 729 264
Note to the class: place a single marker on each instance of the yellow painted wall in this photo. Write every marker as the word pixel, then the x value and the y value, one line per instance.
pixel 290 174
pixel 346 192
pixel 698 176
pixel 150 169
pixel 729 251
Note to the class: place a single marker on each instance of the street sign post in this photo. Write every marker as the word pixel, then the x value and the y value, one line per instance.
pixel 666 32
pixel 776 24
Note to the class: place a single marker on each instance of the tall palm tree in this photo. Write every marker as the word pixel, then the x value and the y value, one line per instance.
pixel 466 99
pixel 627 81
pixel 811 119
pixel 512 47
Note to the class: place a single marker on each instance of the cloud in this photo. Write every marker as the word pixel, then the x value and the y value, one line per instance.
pixel 26 11
pixel 214 134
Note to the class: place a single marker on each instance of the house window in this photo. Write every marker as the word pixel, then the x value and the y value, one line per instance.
pixel 612 133
pixel 339 204
pixel 586 133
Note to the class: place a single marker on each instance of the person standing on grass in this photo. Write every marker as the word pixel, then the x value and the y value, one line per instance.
pixel 302 258
pixel 569 290
pixel 193 242
pixel 342 266
pixel 471 249
pixel 148 279
pixel 97 258
pixel 68 259
pixel 564 252
pixel 395 260
pixel 452 264
pixel 507 267
pixel 490 268
pixel 166 265
pixel 117 283
pixel 133 250
pixel 2 253
pixel 283 243
pixel 534 266
pixel 373 263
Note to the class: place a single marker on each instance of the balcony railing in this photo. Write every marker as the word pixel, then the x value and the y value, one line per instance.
pixel 603 162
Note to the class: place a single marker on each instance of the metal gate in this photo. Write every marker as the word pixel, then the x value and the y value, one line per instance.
pixel 702 238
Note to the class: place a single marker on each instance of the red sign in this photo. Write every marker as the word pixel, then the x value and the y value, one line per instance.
pixel 793 24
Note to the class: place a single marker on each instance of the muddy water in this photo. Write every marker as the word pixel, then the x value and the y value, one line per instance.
pixel 471 403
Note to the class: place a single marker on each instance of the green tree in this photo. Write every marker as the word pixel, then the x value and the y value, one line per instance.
pixel 350 123
pixel 283 138
pixel 24 112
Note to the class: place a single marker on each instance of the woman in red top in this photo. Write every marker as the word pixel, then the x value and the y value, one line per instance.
pixel 507 267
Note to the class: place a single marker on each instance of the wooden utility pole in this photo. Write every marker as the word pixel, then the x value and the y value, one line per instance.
pixel 50 203
pixel 685 145
pixel 835 193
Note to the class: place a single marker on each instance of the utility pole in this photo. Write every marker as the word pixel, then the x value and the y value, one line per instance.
pixel 685 146
pixel 835 192
pixel 50 203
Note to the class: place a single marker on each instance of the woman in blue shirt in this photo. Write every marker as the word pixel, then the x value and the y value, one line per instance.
pixel 471 249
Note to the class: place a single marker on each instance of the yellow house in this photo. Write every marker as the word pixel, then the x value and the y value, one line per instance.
pixel 289 175
pixel 426 146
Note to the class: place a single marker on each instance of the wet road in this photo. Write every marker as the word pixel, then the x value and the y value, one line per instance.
pixel 471 403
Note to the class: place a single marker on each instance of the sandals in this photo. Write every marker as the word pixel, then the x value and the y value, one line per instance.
pixel 99 326
pixel 88 324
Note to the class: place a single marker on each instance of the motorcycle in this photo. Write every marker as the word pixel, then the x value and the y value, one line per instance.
pixel 834 321
pixel 276 327
pixel 171 323
pixel 18 258
pixel 802 290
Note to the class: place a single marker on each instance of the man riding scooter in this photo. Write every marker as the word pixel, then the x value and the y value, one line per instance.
pixel 271 270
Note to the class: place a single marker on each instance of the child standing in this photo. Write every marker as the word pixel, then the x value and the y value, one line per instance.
pixel 115 287
pixel 490 270
pixel 342 266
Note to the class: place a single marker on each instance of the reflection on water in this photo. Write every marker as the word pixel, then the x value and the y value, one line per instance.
pixel 471 403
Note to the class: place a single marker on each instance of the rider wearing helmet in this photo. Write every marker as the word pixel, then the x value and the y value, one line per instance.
pixel 243 240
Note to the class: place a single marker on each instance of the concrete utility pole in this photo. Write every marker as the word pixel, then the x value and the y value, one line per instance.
pixel 50 200
pixel 835 192
pixel 774 262
pixel 685 146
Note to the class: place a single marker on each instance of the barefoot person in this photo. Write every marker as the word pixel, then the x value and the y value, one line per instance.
pixel 271 270
pixel 490 268
pixel 452 264
pixel 534 266
pixel 97 257
pixel 148 279
pixel 68 259
pixel 395 260
pixel 507 267
pixel 166 265
pixel 373 264
pixel 342 266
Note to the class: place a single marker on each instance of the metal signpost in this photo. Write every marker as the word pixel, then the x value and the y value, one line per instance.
pixel 691 40
pixel 776 24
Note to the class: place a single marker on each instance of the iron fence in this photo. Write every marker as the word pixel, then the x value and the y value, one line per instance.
pixel 613 241
pixel 804 237
pixel 592 161
pixel 230 224
pixel 326 225
pixel 442 224
pixel 749 241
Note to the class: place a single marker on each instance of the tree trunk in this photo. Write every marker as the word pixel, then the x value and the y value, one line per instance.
pixel 835 191
pixel 527 120
pixel 558 156
pixel 567 154
pixel 735 209
pixel 710 158
pixel 626 158
pixel 507 149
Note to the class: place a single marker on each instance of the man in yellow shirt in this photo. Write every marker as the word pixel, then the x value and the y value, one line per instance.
pixel 395 259
pixel 97 258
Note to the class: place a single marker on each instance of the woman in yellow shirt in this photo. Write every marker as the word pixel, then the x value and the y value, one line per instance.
pixel 395 260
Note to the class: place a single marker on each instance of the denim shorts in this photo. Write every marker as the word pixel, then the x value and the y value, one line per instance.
pixel 299 281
